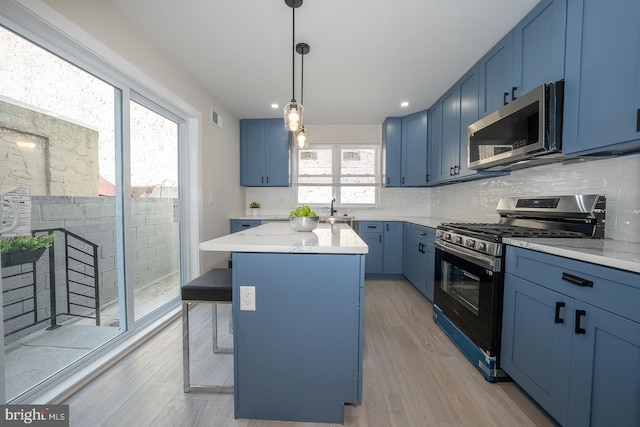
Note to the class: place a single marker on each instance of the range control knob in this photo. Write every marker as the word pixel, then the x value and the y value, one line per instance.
pixel 481 246
pixel 446 236
pixel 470 243
pixel 457 240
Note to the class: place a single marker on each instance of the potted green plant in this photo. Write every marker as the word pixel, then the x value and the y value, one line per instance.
pixel 22 250
pixel 255 208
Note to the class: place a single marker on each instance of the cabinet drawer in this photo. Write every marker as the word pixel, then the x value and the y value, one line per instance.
pixel 243 224
pixel 370 226
pixel 424 233
pixel 613 290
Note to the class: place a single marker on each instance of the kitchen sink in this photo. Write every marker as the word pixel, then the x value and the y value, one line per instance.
pixel 338 220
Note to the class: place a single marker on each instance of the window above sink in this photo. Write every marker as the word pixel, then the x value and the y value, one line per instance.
pixel 348 173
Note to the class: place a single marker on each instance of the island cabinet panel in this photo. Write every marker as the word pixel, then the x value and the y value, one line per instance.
pixel 571 337
pixel 299 354
pixel 265 153
pixel 602 90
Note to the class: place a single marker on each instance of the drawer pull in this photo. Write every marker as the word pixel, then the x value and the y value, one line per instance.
pixel 246 225
pixel 559 305
pixel 577 280
pixel 422 233
pixel 372 226
pixel 580 330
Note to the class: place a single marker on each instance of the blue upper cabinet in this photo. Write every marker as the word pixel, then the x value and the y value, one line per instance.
pixel 404 151
pixel 602 88
pixel 496 76
pixel 448 121
pixel 414 150
pixel 528 56
pixel 445 145
pixel 264 153
pixel 539 46
pixel 391 152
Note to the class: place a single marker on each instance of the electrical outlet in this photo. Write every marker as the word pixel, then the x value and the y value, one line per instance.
pixel 247 298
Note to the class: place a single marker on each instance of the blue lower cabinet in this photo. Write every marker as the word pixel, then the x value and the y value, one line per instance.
pixel 420 254
pixel 385 246
pixel 298 356
pixel 571 338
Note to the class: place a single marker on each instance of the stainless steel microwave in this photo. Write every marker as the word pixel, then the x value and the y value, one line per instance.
pixel 523 133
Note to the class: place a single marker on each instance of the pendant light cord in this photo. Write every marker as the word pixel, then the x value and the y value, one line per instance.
pixel 293 57
pixel 302 81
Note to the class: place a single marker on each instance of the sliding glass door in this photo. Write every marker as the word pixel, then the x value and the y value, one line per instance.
pixel 89 170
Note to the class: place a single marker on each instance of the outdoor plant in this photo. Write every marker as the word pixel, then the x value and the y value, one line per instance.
pixel 254 205
pixel 25 244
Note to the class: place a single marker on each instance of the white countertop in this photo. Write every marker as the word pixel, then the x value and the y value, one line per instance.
pixel 425 221
pixel 279 237
pixel 607 252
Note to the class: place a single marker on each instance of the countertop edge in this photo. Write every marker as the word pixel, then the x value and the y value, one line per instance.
pixel 621 255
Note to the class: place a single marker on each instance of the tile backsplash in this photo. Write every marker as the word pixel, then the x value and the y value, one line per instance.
pixel 618 178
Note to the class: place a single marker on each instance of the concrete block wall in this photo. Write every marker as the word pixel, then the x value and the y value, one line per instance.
pixel 154 235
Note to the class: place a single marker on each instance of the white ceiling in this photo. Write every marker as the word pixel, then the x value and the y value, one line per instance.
pixel 367 56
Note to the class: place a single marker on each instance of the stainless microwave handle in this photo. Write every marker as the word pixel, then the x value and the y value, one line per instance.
pixel 477 258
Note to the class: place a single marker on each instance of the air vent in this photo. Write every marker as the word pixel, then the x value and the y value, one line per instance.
pixel 216 118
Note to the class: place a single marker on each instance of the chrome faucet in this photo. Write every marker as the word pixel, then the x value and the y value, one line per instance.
pixel 332 211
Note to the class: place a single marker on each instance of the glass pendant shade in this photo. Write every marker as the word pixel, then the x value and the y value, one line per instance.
pixel 293 115
pixel 302 138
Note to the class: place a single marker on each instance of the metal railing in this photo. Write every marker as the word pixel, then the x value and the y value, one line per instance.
pixel 81 287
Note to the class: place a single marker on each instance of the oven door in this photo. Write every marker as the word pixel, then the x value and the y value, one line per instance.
pixel 468 290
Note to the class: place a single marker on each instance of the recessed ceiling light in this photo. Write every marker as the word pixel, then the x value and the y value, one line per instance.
pixel 404 104
pixel 275 106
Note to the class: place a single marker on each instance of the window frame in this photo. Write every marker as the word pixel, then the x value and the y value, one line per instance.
pixel 336 175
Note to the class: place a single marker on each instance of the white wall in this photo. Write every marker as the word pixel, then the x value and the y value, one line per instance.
pixel 219 152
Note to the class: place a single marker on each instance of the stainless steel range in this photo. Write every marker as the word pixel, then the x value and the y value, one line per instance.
pixel 469 277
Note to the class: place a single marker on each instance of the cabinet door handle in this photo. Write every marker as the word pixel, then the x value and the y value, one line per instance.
pixel 638 121
pixel 559 305
pixel 579 329
pixel 403 179
pixel 262 180
pixel 380 238
pixel 577 280
pixel 456 170
pixel 421 248
pixel 387 227
pixel 267 180
pixel 451 171
pixel 504 98
pixel 388 180
pixel 513 92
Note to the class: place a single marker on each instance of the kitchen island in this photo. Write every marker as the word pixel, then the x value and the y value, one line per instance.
pixel 298 341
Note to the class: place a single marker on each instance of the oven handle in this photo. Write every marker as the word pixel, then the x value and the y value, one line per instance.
pixel 482 260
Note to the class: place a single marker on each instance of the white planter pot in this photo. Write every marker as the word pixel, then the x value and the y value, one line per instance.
pixel 255 211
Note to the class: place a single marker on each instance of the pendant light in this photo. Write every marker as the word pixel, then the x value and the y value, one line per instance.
pixel 293 111
pixel 302 136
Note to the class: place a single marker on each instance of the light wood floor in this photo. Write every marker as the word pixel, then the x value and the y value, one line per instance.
pixel 413 376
